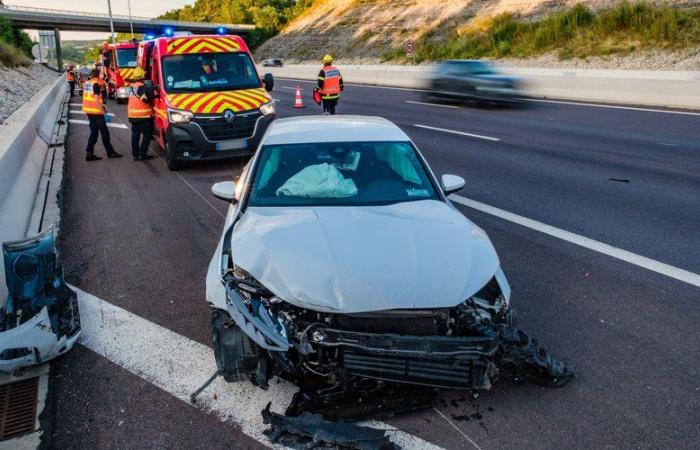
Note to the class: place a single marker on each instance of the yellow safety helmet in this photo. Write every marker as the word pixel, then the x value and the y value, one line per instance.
pixel 138 74
pixel 328 59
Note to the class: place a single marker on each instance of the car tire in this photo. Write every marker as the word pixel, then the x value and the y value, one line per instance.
pixel 172 162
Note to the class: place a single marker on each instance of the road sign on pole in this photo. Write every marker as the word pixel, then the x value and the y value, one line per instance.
pixel 410 47
pixel 40 52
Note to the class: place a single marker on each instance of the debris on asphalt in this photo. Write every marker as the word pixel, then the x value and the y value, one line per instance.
pixel 40 319
pixel 308 430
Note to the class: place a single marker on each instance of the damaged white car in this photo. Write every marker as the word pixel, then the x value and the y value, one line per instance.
pixel 344 268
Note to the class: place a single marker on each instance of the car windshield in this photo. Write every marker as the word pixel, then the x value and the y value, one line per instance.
pixel 209 72
pixel 339 174
pixel 126 57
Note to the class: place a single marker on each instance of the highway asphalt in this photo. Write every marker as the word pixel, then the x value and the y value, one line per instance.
pixel 139 236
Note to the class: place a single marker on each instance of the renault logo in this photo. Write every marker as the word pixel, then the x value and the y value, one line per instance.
pixel 229 116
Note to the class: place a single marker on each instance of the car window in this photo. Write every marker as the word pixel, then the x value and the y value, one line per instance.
pixel 341 173
pixel 126 57
pixel 209 72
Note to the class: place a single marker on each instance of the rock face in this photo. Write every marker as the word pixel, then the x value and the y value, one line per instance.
pixel 360 32
pixel 19 85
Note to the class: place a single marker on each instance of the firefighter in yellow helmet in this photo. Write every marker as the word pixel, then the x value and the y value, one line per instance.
pixel 330 85
pixel 140 112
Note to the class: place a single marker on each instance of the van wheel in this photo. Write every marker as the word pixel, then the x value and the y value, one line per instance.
pixel 173 164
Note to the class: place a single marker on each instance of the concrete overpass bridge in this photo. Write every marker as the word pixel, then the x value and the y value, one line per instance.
pixel 57 20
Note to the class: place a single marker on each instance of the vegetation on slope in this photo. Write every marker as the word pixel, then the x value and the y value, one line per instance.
pixel 269 16
pixel 574 32
pixel 15 45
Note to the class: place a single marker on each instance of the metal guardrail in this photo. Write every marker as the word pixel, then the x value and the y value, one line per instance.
pixel 179 23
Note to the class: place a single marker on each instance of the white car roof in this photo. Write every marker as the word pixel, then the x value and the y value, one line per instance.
pixel 315 129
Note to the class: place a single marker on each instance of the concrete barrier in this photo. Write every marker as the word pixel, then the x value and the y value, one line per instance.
pixel 645 88
pixel 23 150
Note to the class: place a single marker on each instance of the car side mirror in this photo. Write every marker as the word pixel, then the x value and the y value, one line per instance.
pixel 269 82
pixel 225 190
pixel 452 183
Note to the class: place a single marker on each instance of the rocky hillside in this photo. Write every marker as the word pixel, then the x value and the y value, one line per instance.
pixel 19 85
pixel 371 31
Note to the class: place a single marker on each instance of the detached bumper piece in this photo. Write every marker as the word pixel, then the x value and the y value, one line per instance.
pixel 40 320
pixel 313 431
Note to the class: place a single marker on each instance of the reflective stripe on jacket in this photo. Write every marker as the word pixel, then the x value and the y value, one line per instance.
pixel 92 103
pixel 331 82
pixel 138 107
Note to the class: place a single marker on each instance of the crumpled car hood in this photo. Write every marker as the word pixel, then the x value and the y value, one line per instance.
pixel 421 254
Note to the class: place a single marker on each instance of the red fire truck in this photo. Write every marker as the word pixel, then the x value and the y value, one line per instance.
pixel 119 60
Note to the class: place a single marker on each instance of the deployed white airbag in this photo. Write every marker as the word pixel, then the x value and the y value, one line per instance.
pixel 318 181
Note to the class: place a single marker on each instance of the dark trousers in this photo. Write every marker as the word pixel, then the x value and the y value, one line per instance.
pixel 72 87
pixel 329 105
pixel 141 136
pixel 98 126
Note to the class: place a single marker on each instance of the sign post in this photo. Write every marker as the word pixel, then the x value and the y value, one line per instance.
pixel 410 47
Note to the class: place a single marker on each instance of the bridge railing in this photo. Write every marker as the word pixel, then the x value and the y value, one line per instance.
pixel 179 23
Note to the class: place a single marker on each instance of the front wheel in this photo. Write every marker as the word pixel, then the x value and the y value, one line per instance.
pixel 173 163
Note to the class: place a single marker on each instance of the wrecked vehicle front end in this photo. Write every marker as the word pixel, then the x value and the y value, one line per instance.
pixel 331 355
pixel 40 318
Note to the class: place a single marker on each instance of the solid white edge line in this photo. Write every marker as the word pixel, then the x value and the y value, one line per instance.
pixel 461 133
pixel 591 244
pixel 111 124
pixel 180 365
pixel 599 105
pixel 413 102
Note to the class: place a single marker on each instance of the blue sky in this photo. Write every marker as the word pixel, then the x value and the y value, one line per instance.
pixel 149 8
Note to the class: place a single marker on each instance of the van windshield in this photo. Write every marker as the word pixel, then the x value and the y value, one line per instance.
pixel 126 57
pixel 209 72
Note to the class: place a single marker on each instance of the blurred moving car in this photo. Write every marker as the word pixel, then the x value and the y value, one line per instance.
pixel 272 63
pixel 472 80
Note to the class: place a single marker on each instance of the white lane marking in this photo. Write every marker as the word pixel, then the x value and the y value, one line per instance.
pixel 666 144
pixel 461 133
pixel 73 111
pixel 432 104
pixel 293 88
pixel 598 105
pixel 180 365
pixel 457 428
pixel 597 246
pixel 111 124
pixel 362 85
pixel 76 104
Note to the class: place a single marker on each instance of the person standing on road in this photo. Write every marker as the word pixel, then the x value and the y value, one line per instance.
pixel 70 77
pixel 95 109
pixel 330 85
pixel 141 115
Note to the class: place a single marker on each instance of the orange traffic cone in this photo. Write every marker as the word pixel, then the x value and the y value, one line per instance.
pixel 298 103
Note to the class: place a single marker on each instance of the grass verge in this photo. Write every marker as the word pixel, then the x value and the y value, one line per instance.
pixel 576 32
pixel 11 56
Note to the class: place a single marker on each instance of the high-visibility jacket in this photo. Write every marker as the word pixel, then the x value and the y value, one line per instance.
pixel 330 76
pixel 138 107
pixel 92 103
pixel 70 76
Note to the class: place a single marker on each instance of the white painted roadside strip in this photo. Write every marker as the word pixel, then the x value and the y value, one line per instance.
pixel 461 133
pixel 599 105
pixel 111 124
pixel 597 246
pixel 432 104
pixel 180 365
pixel 73 111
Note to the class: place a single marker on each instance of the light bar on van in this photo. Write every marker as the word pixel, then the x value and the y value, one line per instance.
pixel 267 109
pixel 221 30
pixel 178 116
pixel 168 31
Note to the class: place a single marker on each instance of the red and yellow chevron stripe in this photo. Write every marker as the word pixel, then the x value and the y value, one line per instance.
pixel 126 74
pixel 186 45
pixel 218 102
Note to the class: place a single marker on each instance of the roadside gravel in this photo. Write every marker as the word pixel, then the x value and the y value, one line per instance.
pixel 19 85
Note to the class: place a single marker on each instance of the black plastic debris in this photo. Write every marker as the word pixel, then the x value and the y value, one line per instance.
pixel 308 431
pixel 40 319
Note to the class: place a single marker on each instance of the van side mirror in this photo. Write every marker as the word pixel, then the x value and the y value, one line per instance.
pixel 452 183
pixel 225 190
pixel 269 82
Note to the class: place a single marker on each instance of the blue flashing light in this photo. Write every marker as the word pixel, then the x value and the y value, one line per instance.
pixel 149 37
pixel 168 31
pixel 221 30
